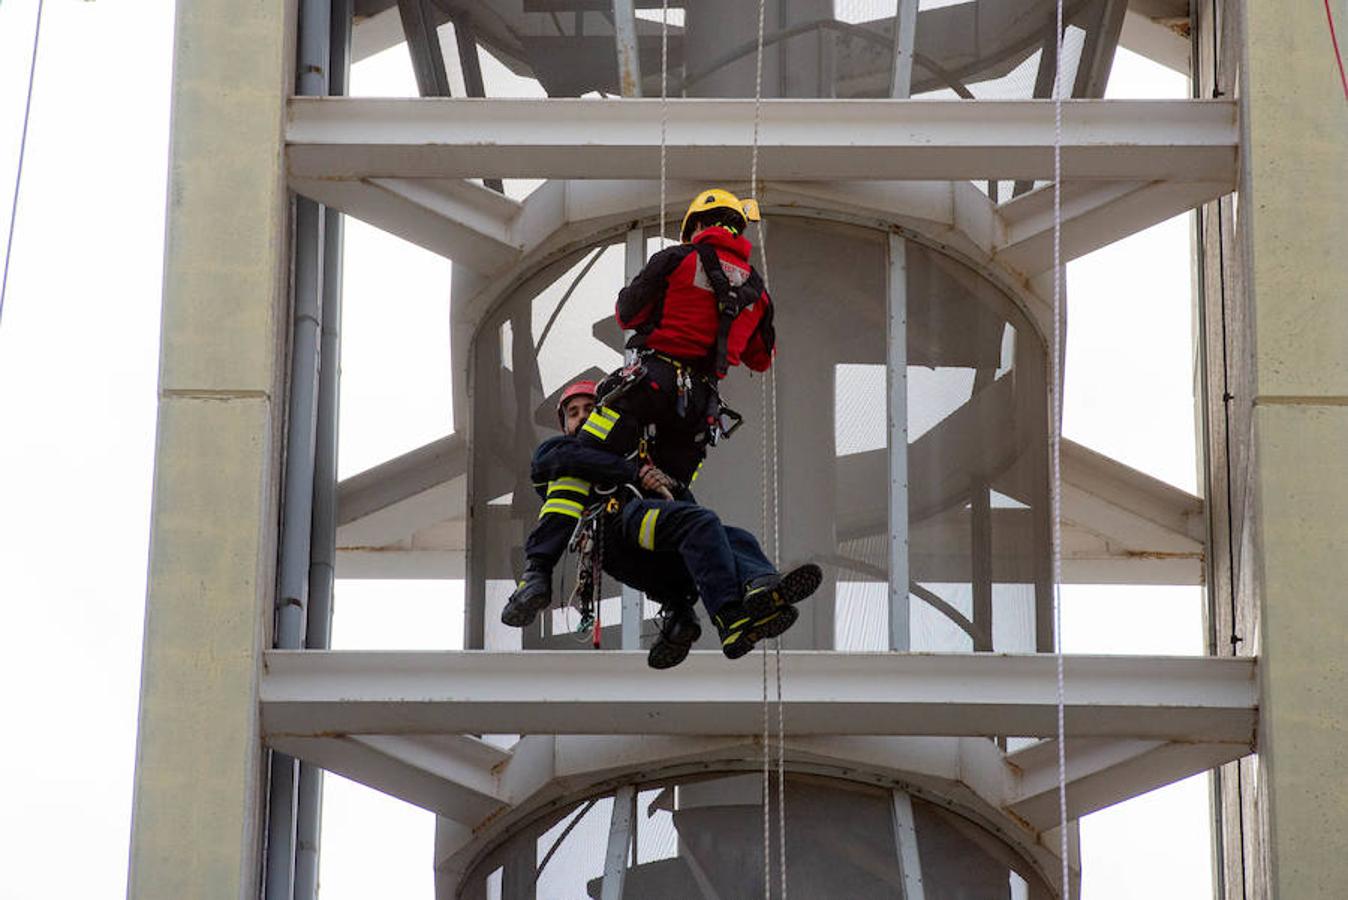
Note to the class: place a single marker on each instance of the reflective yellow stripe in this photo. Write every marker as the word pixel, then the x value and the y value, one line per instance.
pixel 697 472
pixel 601 422
pixel 597 432
pixel 574 485
pixel 646 534
pixel 564 507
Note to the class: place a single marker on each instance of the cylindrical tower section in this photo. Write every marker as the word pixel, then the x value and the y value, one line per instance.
pixel 977 430
pixel 703 837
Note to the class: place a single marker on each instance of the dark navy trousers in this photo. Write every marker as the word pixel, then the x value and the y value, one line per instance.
pixel 673 550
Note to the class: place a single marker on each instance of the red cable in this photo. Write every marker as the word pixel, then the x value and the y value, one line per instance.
pixel 1338 57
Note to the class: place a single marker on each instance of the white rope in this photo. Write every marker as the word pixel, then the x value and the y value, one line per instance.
pixel 771 521
pixel 1055 450
pixel 664 109
pixel 23 147
pixel 767 806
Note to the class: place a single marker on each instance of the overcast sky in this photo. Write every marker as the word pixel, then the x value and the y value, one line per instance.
pixel 78 360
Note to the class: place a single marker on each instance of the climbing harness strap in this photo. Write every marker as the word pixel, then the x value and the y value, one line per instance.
pixel 730 302
pixel 714 417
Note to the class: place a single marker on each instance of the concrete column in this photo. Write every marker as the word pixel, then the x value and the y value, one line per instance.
pixel 1294 203
pixel 199 775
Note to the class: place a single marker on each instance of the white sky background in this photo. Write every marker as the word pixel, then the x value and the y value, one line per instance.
pixel 78 369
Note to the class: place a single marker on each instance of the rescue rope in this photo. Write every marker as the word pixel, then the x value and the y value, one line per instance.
pixel 1056 382
pixel 1338 57
pixel 664 109
pixel 18 174
pixel 771 519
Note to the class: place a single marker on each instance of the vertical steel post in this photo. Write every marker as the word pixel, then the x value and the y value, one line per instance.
pixel 625 33
pixel 323 546
pixel 423 45
pixel 470 64
pixel 905 27
pixel 980 544
pixel 896 364
pixel 619 841
pixel 905 840
pixel 315 23
pixel 634 258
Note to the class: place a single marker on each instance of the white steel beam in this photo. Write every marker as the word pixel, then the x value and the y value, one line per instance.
pixel 1093 215
pixel 451 775
pixel 308 693
pixel 1102 772
pixel 1121 525
pixel 457 219
pixel 405 518
pixel 1161 39
pixel 385 563
pixel 1140 140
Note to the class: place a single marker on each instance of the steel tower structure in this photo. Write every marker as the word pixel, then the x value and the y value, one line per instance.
pixel 911 244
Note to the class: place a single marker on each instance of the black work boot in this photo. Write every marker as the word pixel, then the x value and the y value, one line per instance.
pixel 766 593
pixel 740 630
pixel 679 630
pixel 533 593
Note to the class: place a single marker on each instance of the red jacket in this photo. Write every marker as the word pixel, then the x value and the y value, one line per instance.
pixel 672 307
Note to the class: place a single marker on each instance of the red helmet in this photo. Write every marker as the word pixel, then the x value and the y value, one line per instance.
pixel 574 389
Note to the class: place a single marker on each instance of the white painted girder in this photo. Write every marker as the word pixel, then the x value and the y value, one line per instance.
pixel 1102 772
pixel 457 219
pixel 1159 36
pixel 1141 140
pixel 1094 215
pixel 307 693
pixel 405 518
pixel 442 773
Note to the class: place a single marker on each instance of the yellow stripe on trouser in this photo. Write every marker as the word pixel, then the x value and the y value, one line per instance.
pixel 568 484
pixel 601 422
pixel 646 534
pixel 697 472
pixel 564 507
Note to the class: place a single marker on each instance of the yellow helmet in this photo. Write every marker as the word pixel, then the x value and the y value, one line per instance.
pixel 718 199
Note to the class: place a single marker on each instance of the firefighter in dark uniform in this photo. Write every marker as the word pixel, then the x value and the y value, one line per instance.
pixel 696 309
pixel 672 549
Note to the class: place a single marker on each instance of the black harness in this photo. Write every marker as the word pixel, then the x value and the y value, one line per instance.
pixel 729 304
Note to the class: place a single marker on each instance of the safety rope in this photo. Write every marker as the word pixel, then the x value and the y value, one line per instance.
pixel 664 110
pixel 1338 57
pixel 18 174
pixel 770 487
pixel 1055 452
pixel 771 521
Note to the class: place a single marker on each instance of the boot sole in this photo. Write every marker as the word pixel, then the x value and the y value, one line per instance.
pixel 794 587
pixel 523 614
pixel 666 654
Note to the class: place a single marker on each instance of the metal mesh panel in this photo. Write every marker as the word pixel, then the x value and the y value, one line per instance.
pixel 704 838
pixel 976 420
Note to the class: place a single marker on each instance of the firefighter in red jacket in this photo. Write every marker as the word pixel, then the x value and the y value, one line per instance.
pixel 697 309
